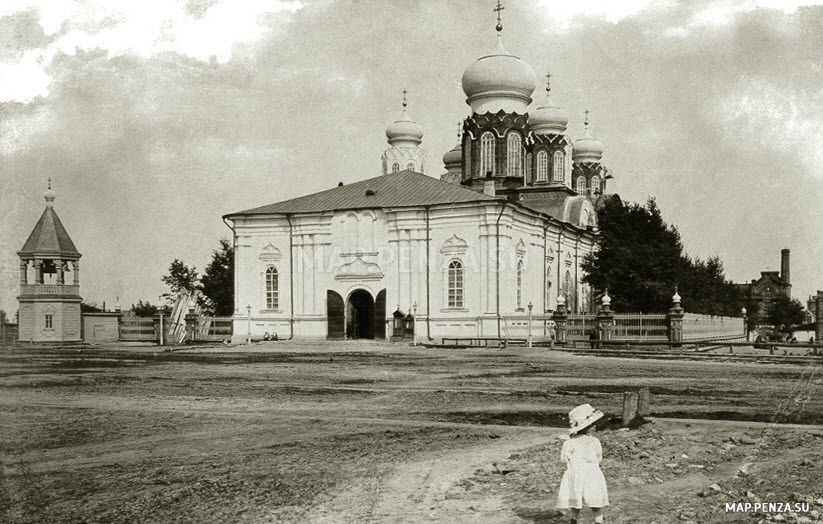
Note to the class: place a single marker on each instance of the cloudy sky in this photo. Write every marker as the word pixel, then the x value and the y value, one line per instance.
pixel 154 117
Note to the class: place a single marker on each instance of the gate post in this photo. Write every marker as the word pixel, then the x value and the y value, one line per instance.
pixel 675 319
pixel 604 322
pixel 560 316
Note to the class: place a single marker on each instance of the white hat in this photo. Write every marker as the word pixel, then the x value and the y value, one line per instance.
pixel 582 417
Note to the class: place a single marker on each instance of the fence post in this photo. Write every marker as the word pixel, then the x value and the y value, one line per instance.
pixel 560 317
pixel 643 403
pixel 629 407
pixel 604 321
pixel 675 320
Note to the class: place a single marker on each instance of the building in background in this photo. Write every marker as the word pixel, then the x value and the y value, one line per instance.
pixel 771 284
pixel 49 300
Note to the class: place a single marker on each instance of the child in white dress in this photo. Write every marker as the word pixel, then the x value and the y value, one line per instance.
pixel 583 483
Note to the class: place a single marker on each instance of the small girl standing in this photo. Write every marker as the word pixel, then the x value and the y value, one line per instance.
pixel 583 483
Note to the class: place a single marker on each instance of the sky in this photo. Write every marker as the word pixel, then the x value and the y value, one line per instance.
pixel 154 118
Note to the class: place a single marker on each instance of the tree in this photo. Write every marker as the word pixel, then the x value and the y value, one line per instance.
pixel 218 280
pixel 144 309
pixel 785 312
pixel 90 307
pixel 640 259
pixel 181 279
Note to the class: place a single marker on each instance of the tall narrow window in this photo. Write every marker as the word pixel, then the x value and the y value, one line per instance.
pixel 542 166
pixel 486 153
pixel 559 167
pixel 49 321
pixel 514 155
pixel 455 298
pixel 595 185
pixel 519 284
pixel 580 187
pixel 272 289
pixel 395 167
pixel 410 167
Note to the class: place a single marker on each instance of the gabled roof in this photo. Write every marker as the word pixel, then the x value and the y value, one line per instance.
pixel 401 189
pixel 49 237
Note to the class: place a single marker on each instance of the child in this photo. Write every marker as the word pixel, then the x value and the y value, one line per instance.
pixel 583 483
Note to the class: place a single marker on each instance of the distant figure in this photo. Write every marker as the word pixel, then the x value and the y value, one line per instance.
pixel 811 340
pixel 583 483
pixel 594 338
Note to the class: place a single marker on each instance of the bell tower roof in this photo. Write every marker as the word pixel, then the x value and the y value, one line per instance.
pixel 49 237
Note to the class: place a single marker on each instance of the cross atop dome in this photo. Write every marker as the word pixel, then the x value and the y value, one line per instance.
pixel 405 103
pixel 548 83
pixel 586 120
pixel 49 195
pixel 499 8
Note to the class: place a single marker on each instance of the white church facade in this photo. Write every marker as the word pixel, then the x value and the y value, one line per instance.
pixel 502 233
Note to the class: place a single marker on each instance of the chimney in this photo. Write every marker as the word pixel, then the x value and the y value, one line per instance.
pixel 488 187
pixel 785 270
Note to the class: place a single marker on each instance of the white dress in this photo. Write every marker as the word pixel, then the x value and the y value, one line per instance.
pixel 583 483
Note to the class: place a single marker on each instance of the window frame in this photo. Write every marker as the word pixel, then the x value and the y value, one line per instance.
pixel 272 292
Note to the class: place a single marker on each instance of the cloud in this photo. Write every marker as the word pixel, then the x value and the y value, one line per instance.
pixel 125 27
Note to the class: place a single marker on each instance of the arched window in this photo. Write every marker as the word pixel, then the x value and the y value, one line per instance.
pixel 580 187
pixel 595 185
pixel 486 153
pixel 455 298
pixel 519 284
pixel 559 167
pixel 542 166
pixel 514 155
pixel 272 289
pixel 410 167
pixel 395 167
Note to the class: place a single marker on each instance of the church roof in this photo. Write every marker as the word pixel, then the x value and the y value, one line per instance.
pixel 401 189
pixel 49 237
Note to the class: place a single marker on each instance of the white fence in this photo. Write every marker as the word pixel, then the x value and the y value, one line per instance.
pixel 701 327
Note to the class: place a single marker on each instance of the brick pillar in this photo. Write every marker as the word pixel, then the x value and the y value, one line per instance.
pixel 23 273
pixel 38 271
pixel 605 319
pixel 76 264
pixel 559 317
pixel 675 318
pixel 59 266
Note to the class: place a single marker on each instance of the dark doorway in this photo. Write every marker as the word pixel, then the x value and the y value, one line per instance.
pixel 335 313
pixel 360 315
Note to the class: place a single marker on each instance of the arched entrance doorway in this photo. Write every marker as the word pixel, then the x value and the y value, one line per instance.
pixel 360 315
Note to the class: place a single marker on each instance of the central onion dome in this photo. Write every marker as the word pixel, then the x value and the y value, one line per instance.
pixel 588 148
pixel 404 131
pixel 499 81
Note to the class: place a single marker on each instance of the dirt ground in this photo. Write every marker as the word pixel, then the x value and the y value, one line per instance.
pixel 369 432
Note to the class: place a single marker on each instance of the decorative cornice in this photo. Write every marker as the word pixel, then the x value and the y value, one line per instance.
pixel 270 253
pixel 454 246
pixel 359 269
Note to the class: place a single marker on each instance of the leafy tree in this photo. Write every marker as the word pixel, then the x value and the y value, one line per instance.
pixel 785 312
pixel 3 318
pixel 144 309
pixel 90 307
pixel 181 279
pixel 218 280
pixel 640 259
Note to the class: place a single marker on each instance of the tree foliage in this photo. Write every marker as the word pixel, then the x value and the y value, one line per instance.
pixel 785 312
pixel 90 307
pixel 180 279
pixel 640 260
pixel 144 309
pixel 218 280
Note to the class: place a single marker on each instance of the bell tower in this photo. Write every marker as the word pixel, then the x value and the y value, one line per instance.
pixel 49 300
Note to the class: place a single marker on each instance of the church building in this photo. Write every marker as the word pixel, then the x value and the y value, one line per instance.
pixel 500 235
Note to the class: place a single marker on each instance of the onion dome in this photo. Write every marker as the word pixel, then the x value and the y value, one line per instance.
pixel 453 158
pixel 588 148
pixel 499 81
pixel 404 130
pixel 548 118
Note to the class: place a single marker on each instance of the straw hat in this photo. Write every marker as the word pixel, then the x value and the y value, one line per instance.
pixel 582 417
